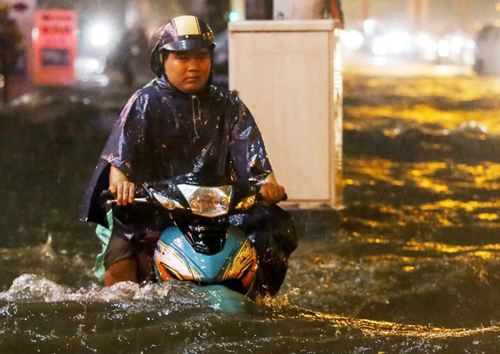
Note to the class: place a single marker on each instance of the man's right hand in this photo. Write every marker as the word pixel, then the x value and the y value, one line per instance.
pixel 122 189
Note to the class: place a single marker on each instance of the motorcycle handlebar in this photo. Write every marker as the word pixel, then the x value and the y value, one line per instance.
pixel 106 194
pixel 110 197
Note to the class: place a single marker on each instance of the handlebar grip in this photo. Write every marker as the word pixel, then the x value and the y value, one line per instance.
pixel 106 194
pixel 283 199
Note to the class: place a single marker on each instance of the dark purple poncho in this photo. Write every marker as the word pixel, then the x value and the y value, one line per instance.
pixel 162 133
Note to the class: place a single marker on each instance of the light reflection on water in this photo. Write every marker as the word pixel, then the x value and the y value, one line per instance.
pixel 176 316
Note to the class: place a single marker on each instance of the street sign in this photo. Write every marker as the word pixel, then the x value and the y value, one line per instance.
pixel 55 44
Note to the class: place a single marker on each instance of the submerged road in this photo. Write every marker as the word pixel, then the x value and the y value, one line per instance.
pixel 415 267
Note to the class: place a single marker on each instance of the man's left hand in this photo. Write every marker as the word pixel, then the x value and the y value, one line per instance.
pixel 272 193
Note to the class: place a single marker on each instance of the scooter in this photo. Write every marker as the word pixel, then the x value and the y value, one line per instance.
pixel 202 245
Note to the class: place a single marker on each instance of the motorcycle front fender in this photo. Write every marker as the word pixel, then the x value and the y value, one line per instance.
pixel 234 266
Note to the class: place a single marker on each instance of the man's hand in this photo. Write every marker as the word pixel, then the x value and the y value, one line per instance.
pixel 272 193
pixel 122 189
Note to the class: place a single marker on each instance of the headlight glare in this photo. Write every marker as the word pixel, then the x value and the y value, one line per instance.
pixel 246 203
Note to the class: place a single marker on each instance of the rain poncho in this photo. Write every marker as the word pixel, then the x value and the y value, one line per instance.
pixel 162 133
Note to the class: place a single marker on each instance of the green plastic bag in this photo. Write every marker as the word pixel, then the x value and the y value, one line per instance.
pixel 104 234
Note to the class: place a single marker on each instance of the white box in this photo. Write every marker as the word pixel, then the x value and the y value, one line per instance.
pixel 289 75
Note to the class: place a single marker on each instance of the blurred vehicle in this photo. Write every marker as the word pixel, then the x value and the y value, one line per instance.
pixel 10 50
pixel 455 48
pixel 487 52
pixel 373 39
pixel 97 38
pixel 129 57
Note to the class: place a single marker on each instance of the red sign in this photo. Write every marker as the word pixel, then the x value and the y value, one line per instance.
pixel 55 42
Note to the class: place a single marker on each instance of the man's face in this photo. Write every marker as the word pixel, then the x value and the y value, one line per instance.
pixel 189 70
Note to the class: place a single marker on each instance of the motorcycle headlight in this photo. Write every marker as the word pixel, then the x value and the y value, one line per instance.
pixel 207 201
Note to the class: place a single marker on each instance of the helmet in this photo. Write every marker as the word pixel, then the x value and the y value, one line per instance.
pixel 180 33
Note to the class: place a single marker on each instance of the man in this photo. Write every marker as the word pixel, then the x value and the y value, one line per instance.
pixel 10 39
pixel 181 124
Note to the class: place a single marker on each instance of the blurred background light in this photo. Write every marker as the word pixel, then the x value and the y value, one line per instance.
pixel 234 16
pixel 443 48
pixel 369 26
pixel 352 40
pixel 380 46
pixel 99 35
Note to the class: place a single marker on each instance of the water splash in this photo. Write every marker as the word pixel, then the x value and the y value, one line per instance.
pixel 36 288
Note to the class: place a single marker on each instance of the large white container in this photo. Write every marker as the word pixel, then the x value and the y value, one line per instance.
pixel 299 9
pixel 289 75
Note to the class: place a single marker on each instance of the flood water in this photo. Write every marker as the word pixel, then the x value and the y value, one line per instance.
pixel 414 268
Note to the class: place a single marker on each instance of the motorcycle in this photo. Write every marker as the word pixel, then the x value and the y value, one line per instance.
pixel 202 245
